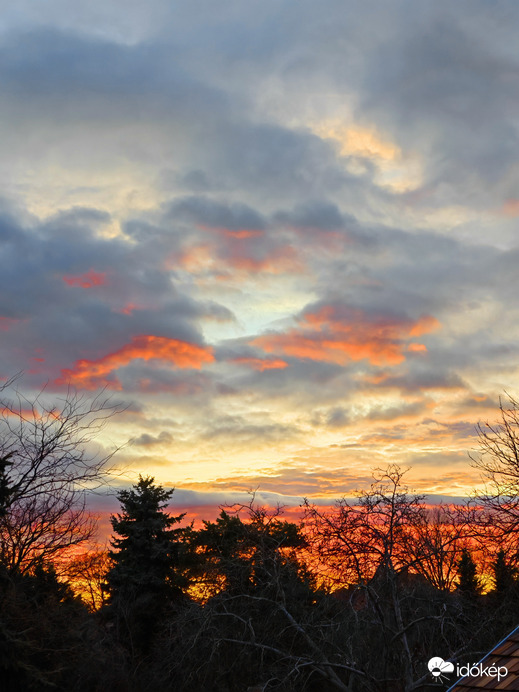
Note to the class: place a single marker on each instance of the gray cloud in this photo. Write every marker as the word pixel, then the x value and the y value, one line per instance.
pixel 169 173
pixel 147 440
pixel 76 294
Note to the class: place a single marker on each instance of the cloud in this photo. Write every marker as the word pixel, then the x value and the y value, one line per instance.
pixel 225 238
pixel 7 322
pixel 261 364
pixel 110 297
pixel 339 335
pixel 315 217
pixel 208 214
pixel 87 280
pixel 446 86
pixel 147 440
pixel 151 379
pixel 91 374
pixel 260 430
pixel 280 225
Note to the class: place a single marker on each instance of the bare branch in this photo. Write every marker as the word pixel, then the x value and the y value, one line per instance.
pixel 47 473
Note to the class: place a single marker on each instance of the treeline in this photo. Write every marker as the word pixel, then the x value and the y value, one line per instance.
pixel 357 597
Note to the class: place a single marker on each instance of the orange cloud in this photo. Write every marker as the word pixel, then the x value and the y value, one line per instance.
pixel 194 259
pixel 261 364
pixel 20 413
pixel 511 207
pixel 281 260
pixel 337 336
pixel 417 348
pixel 87 280
pixel 239 233
pixel 128 309
pixel 239 255
pixel 424 325
pixel 374 379
pixel 90 374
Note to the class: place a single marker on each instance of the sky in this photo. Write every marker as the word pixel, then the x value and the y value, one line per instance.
pixel 284 236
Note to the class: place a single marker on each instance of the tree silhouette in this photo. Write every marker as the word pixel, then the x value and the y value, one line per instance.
pixel 143 577
pixel 5 490
pixel 468 582
pixel 242 556
pixel 372 534
pixel 504 574
pixel 260 617
pixel 45 474
pixel 498 461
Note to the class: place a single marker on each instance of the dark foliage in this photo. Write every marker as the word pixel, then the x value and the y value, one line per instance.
pixel 143 578
pixel 49 641
pixel 356 598
pixel 505 574
pixel 468 582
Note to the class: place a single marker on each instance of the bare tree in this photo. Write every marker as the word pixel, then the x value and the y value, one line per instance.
pixel 46 473
pixel 86 574
pixel 498 460
pixel 358 538
pixel 389 551
pixel 438 540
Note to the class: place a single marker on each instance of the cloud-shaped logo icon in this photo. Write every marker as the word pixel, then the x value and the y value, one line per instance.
pixel 438 667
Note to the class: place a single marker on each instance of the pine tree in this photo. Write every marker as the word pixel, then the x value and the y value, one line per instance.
pixel 143 578
pixel 468 583
pixel 504 574
pixel 146 554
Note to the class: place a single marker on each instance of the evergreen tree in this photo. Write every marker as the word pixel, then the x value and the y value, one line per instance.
pixel 504 574
pixel 146 553
pixel 257 556
pixel 143 578
pixel 468 582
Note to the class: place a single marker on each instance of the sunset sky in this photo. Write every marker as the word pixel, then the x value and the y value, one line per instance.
pixel 284 234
